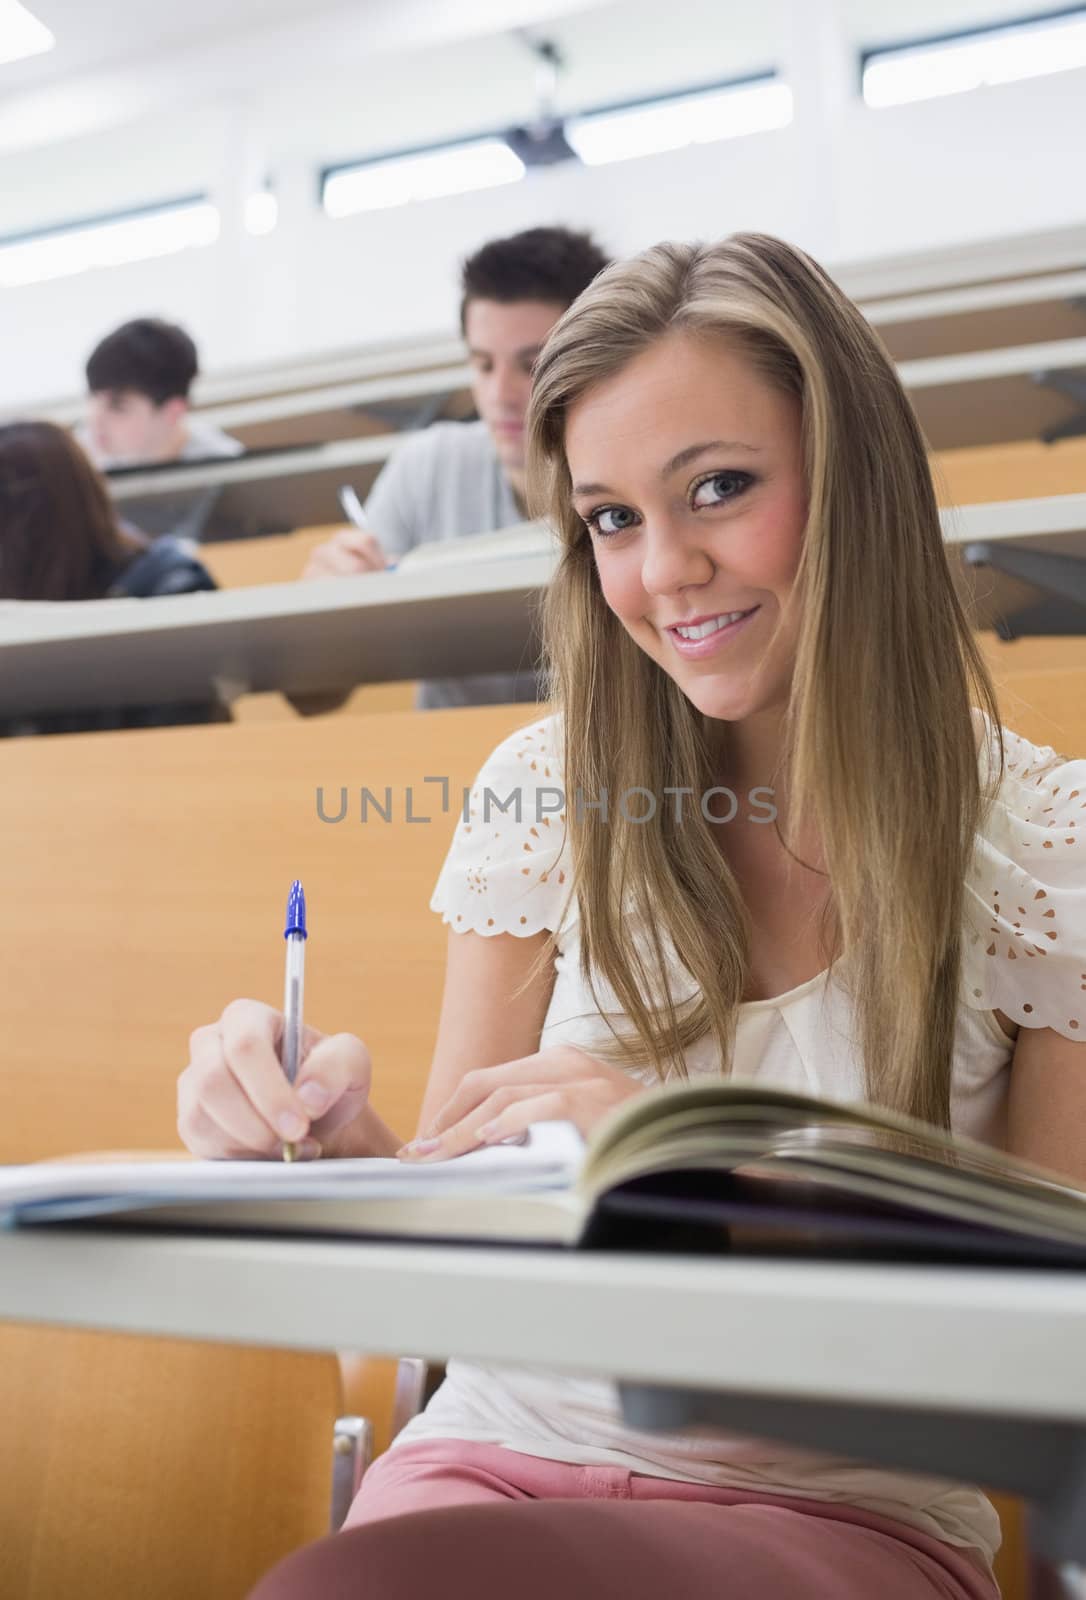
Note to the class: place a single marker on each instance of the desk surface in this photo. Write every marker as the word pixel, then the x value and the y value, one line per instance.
pixel 329 633
pixel 974 1341
pixel 979 397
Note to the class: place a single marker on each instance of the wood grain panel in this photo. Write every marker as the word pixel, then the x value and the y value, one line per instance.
pixel 157 1467
pixel 151 871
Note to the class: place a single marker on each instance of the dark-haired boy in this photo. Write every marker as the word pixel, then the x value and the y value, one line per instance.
pixel 455 479
pixel 139 378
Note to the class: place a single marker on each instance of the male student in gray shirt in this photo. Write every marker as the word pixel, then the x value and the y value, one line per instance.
pixel 461 478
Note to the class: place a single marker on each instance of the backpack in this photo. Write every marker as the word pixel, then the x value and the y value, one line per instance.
pixel 168 566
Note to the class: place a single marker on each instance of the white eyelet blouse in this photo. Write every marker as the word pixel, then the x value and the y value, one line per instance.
pixel 1024 954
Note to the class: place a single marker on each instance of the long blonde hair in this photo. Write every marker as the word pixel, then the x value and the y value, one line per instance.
pixel 879 745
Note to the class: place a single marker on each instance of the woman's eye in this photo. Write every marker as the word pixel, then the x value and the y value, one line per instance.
pixel 610 519
pixel 720 487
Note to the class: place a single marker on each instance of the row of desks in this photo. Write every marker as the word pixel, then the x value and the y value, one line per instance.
pixel 449 620
pixel 304 446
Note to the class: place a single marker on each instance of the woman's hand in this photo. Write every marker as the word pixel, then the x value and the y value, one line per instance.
pixel 496 1103
pixel 234 1101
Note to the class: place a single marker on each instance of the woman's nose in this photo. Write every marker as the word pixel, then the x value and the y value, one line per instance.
pixel 673 559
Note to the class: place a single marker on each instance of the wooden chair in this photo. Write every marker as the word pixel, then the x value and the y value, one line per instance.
pixel 1020 471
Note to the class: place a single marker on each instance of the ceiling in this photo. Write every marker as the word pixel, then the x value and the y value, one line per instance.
pixel 91 34
pixel 119 63
pixel 96 34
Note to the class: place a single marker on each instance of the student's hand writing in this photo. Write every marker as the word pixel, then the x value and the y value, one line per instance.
pixel 233 1100
pixel 561 1083
pixel 348 551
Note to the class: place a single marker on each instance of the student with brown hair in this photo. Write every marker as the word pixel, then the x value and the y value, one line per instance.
pixel 753 598
pixel 60 540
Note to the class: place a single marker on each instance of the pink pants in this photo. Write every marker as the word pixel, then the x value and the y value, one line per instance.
pixel 478 1522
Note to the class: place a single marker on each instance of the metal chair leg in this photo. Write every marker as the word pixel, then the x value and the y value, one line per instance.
pixel 352 1452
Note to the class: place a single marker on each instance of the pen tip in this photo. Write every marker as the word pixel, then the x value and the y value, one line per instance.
pixel 296 912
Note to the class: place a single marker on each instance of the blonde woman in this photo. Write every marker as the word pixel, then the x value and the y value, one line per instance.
pixel 790 841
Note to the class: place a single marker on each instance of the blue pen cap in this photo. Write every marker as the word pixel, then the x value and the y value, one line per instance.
pixel 296 912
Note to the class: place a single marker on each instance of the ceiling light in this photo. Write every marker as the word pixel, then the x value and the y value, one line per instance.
pixel 21 34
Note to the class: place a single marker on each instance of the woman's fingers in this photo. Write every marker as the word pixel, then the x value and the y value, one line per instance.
pixel 216 1118
pixel 251 1036
pixel 557 1065
pixel 213 1140
pixel 233 1098
pixel 510 1110
pixel 334 1080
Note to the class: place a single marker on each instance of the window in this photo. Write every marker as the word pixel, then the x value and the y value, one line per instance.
pixel 58 252
pixel 955 63
pixel 613 133
pixel 701 116
pixel 419 175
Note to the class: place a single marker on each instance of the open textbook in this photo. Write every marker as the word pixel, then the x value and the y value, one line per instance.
pixel 718 1167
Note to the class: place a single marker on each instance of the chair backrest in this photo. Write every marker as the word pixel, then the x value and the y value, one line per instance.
pixel 1020 471
pixel 274 558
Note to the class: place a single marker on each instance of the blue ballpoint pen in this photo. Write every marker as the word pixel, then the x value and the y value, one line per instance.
pixel 295 934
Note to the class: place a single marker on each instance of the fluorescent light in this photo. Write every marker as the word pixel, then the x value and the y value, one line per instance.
pixel 261 211
pixel 698 118
pixel 21 34
pixel 954 66
pixel 429 175
pixel 64 251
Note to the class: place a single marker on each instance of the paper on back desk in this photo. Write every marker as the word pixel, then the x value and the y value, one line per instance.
pixel 548 1161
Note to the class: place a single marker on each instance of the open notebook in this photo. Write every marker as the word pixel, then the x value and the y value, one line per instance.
pixel 720 1167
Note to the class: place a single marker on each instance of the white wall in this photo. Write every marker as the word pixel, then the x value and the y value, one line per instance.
pixel 847 183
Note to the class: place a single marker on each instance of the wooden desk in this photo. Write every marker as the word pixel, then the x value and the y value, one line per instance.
pixel 272 493
pixel 1025 469
pixel 991 396
pixel 972 1374
pixel 331 633
pixel 382 627
pixel 1055 525
pixel 981 316
pixel 981 397
pixel 346 410
pixel 277 558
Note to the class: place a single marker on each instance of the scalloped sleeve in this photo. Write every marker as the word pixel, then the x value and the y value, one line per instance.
pixel 1024 951
pixel 507 867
